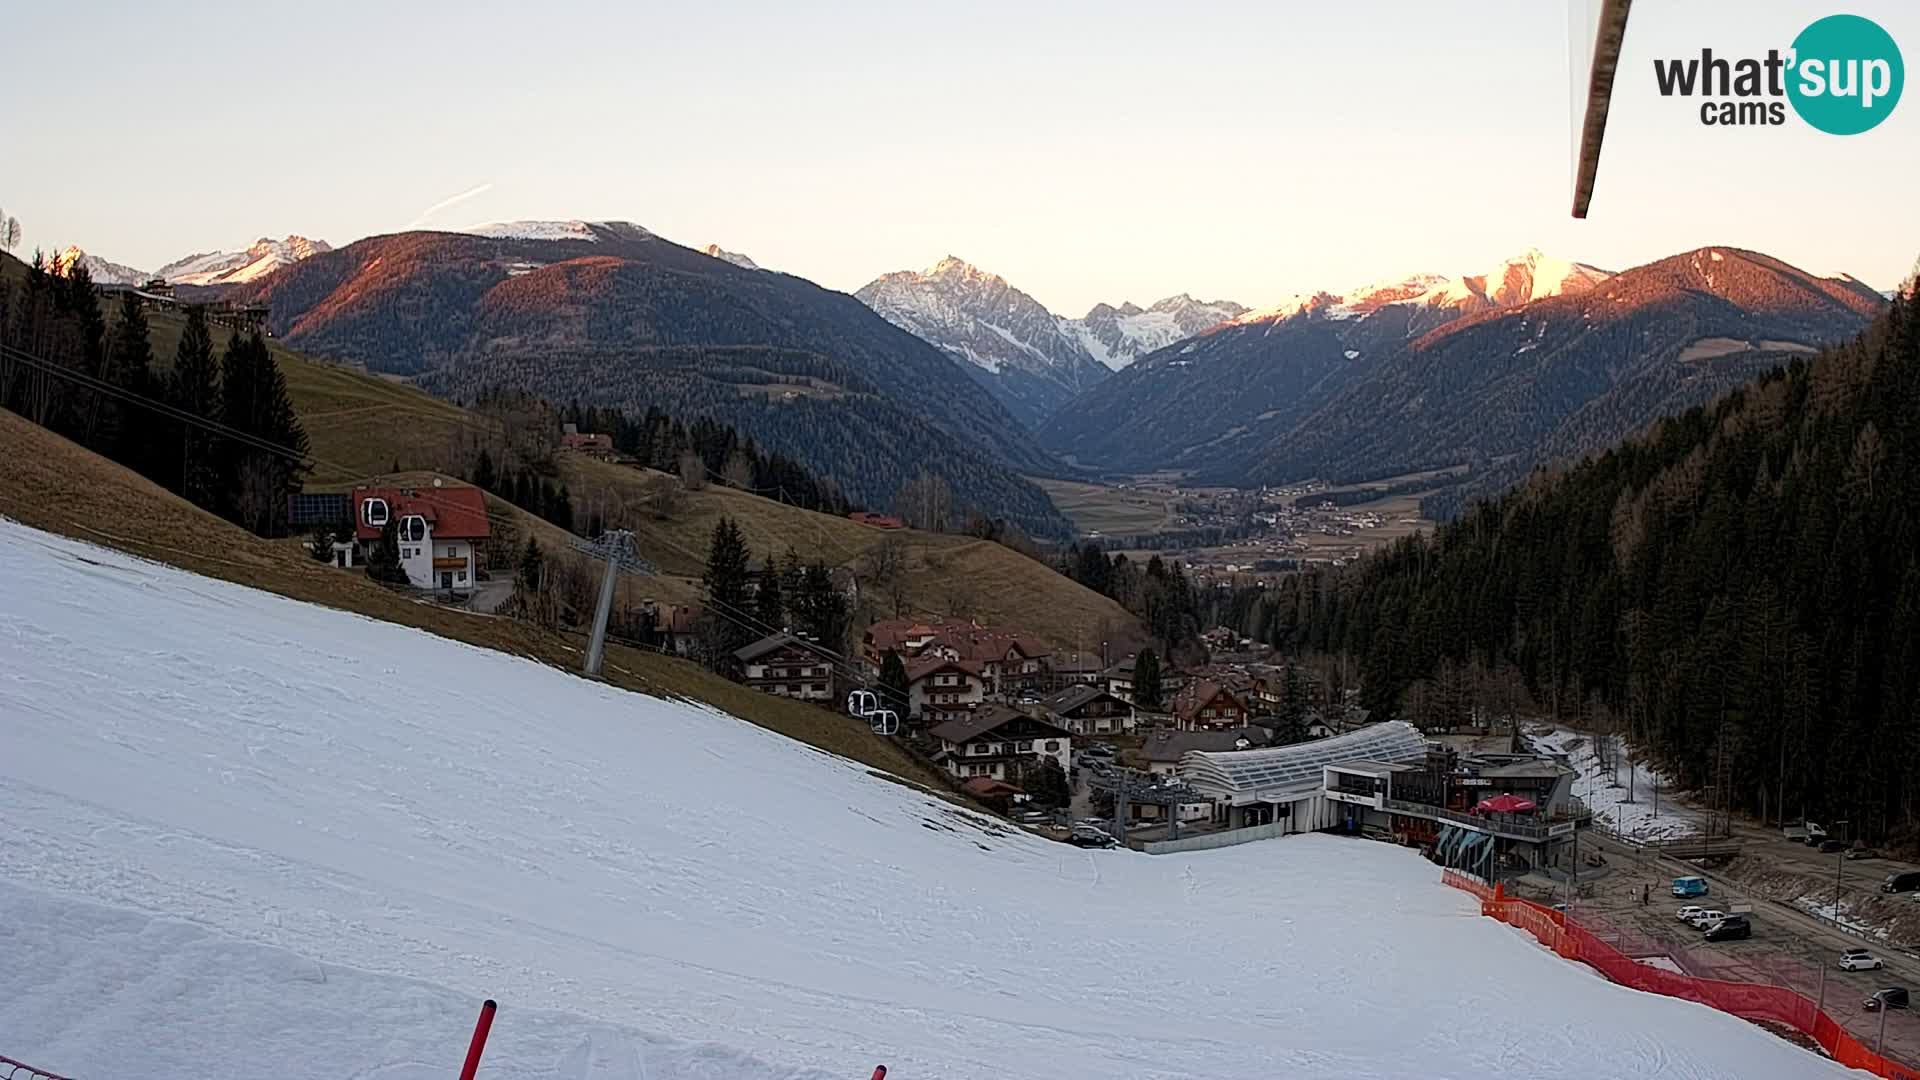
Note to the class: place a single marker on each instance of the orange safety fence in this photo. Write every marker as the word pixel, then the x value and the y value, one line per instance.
pixel 1749 1001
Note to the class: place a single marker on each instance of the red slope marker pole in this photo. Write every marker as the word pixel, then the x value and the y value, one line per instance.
pixel 480 1030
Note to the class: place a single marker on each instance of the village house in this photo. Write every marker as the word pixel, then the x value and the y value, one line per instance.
pixel 786 666
pixel 1007 663
pixel 440 531
pixel 1119 679
pixel 1164 749
pixel 1090 710
pixel 670 628
pixel 938 687
pixel 1077 669
pixel 572 438
pixel 1269 691
pixel 999 743
pixel 1207 704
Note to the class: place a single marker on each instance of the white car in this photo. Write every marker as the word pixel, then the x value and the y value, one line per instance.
pixel 1859 960
pixel 1707 918
pixel 1689 913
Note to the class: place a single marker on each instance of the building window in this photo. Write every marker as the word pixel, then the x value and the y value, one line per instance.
pixel 450 553
pixel 1053 745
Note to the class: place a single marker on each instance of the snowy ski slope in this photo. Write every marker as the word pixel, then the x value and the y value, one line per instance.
pixel 247 837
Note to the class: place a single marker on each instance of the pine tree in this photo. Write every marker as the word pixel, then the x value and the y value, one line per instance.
pixel 821 609
pixel 483 475
pixel 893 682
pixel 769 605
pixel 1291 720
pixel 726 582
pixel 194 387
pixel 254 400
pixel 532 571
pixel 383 561
pixel 130 367
pixel 1146 680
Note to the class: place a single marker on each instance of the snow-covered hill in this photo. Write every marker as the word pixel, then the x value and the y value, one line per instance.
pixel 100 270
pixel 238 267
pixel 246 836
pixel 1022 351
pixel 1118 336
pixel 589 231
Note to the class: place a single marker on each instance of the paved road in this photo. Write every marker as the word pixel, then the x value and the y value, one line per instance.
pixel 1789 945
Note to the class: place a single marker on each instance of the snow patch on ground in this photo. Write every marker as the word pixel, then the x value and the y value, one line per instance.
pixel 1664 963
pixel 247 837
pixel 1605 789
pixel 1826 909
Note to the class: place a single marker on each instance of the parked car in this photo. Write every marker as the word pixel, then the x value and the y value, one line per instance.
pixel 1815 834
pixel 1828 847
pixel 1707 918
pixel 1893 997
pixel 1731 928
pixel 1689 886
pixel 1032 817
pixel 1097 750
pixel 1859 960
pixel 1084 837
pixel 1689 913
pixel 1864 853
pixel 1901 881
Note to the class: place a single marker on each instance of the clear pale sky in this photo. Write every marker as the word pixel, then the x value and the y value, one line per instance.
pixel 1086 151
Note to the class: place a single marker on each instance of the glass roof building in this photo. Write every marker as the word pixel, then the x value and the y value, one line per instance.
pixel 1288 773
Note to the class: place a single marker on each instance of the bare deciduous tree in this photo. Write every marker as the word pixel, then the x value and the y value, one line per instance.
pixel 739 471
pixel 693 471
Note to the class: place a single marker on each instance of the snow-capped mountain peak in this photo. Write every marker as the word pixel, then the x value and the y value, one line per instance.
pixel 263 257
pixel 1523 278
pixel 100 270
pixel 1026 356
pixel 1116 336
pixel 733 257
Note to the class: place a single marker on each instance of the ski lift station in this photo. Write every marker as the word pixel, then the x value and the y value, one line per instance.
pixel 1472 809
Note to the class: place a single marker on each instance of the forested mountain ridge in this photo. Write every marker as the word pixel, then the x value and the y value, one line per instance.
pixel 1739 588
pixel 613 315
pixel 1345 391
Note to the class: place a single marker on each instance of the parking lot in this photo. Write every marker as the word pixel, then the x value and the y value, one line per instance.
pixel 1789 947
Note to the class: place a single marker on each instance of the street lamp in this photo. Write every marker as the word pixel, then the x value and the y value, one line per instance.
pixel 1839 867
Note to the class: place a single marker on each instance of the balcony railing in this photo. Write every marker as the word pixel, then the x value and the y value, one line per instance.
pixel 1517 826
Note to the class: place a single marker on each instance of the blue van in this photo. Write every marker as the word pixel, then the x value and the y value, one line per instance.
pixel 1689 886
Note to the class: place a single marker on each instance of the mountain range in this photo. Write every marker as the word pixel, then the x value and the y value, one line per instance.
pixel 1033 360
pixel 207 268
pixel 607 313
pixel 1538 360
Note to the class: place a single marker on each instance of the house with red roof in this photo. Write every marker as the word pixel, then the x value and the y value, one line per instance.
pixel 938 688
pixel 440 531
pixel 1208 704
pixel 1007 661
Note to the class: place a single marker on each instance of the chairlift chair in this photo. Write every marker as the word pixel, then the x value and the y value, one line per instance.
pixel 884 722
pixel 862 703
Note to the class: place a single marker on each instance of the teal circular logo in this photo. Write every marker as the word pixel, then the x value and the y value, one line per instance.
pixel 1846 76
